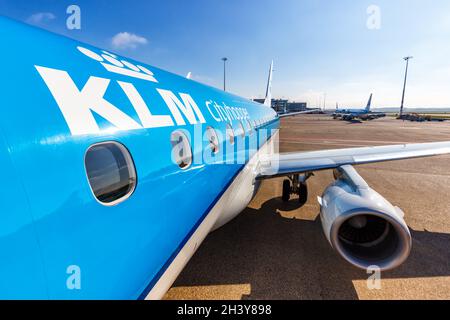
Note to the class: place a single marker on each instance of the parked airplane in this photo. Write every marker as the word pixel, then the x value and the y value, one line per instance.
pixel 109 190
pixel 362 114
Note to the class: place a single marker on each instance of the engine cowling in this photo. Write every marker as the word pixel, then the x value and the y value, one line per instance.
pixel 361 225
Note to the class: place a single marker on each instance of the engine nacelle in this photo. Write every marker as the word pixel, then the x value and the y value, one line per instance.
pixel 364 228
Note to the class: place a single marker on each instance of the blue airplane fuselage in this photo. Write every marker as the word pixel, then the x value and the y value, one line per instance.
pixel 59 98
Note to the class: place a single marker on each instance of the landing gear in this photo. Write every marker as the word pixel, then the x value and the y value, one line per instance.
pixel 286 190
pixel 303 193
pixel 296 184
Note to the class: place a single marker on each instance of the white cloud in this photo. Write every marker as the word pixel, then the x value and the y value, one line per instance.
pixel 126 40
pixel 40 17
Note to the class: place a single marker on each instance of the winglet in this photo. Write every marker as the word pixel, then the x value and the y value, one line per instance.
pixel 268 100
pixel 188 76
pixel 369 103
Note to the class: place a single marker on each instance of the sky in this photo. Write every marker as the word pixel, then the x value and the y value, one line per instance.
pixel 324 51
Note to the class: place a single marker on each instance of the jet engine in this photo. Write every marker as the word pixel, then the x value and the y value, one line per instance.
pixel 362 226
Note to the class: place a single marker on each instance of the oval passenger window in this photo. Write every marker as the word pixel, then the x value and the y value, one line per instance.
pixel 213 139
pixel 230 134
pixel 241 129
pixel 111 172
pixel 181 150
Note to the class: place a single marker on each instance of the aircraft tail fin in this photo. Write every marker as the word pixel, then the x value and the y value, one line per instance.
pixel 369 103
pixel 268 100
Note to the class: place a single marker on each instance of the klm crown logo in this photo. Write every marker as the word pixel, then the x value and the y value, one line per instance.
pixel 112 63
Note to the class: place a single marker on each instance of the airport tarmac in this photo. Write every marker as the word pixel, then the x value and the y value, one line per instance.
pixel 274 250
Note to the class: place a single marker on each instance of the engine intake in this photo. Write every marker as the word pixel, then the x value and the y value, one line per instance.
pixel 362 226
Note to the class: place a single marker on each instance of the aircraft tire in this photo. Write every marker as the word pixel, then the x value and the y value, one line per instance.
pixel 303 193
pixel 286 190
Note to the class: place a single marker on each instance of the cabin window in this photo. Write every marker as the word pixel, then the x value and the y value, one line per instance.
pixel 250 128
pixel 230 134
pixel 181 150
pixel 111 172
pixel 241 129
pixel 213 140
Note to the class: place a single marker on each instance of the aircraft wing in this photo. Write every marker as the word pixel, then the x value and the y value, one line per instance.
pixel 297 113
pixel 285 164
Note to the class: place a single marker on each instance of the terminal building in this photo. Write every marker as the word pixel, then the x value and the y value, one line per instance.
pixel 285 106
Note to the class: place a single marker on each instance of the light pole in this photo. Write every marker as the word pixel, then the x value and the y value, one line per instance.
pixel 224 73
pixel 404 84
